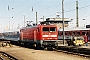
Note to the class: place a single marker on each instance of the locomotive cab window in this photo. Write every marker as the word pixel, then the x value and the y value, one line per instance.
pixel 45 28
pixel 52 29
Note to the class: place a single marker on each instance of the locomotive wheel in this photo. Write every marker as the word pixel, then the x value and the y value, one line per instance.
pixel 38 46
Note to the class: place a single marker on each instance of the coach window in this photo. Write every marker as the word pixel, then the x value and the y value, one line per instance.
pixel 58 32
pixel 73 33
pixel 65 33
pixel 87 33
pixel 69 33
pixel 83 33
pixel 78 33
pixel 61 33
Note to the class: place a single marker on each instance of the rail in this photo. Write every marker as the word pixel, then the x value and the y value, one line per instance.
pixel 5 56
pixel 85 52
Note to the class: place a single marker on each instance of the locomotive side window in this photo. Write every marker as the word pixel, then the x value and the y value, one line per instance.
pixel 38 29
pixel 52 29
pixel 45 28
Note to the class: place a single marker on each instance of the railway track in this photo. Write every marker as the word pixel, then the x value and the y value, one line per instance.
pixel 74 50
pixel 85 52
pixel 5 56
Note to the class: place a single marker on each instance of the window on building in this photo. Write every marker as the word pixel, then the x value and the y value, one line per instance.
pixel 66 22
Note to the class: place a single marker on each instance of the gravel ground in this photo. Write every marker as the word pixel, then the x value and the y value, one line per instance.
pixel 31 54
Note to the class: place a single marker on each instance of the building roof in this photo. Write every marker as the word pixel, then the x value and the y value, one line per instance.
pixel 57 20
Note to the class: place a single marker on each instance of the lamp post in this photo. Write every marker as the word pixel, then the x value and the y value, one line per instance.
pixel 12 25
pixel 9 25
pixel 63 21
pixel 24 20
pixel 84 22
pixel 77 25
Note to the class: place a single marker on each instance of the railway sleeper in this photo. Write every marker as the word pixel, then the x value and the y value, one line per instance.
pixel 84 55
pixel 5 56
pixel 69 52
pixel 87 56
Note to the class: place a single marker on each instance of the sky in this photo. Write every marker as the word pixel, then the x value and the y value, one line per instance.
pixel 12 12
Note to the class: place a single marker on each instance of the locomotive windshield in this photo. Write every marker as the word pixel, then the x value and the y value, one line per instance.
pixel 45 28
pixel 49 29
pixel 52 29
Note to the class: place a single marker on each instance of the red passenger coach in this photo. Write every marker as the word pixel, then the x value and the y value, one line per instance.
pixel 45 36
pixel 69 32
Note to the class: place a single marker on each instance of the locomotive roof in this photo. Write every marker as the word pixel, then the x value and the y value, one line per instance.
pixel 74 29
pixel 36 26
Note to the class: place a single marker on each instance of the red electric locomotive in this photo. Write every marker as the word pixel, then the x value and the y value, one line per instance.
pixel 45 36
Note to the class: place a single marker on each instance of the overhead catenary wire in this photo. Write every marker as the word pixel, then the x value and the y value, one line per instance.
pixel 49 7
pixel 32 7
pixel 28 8
pixel 25 9
pixel 73 9
pixel 21 4
pixel 9 8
